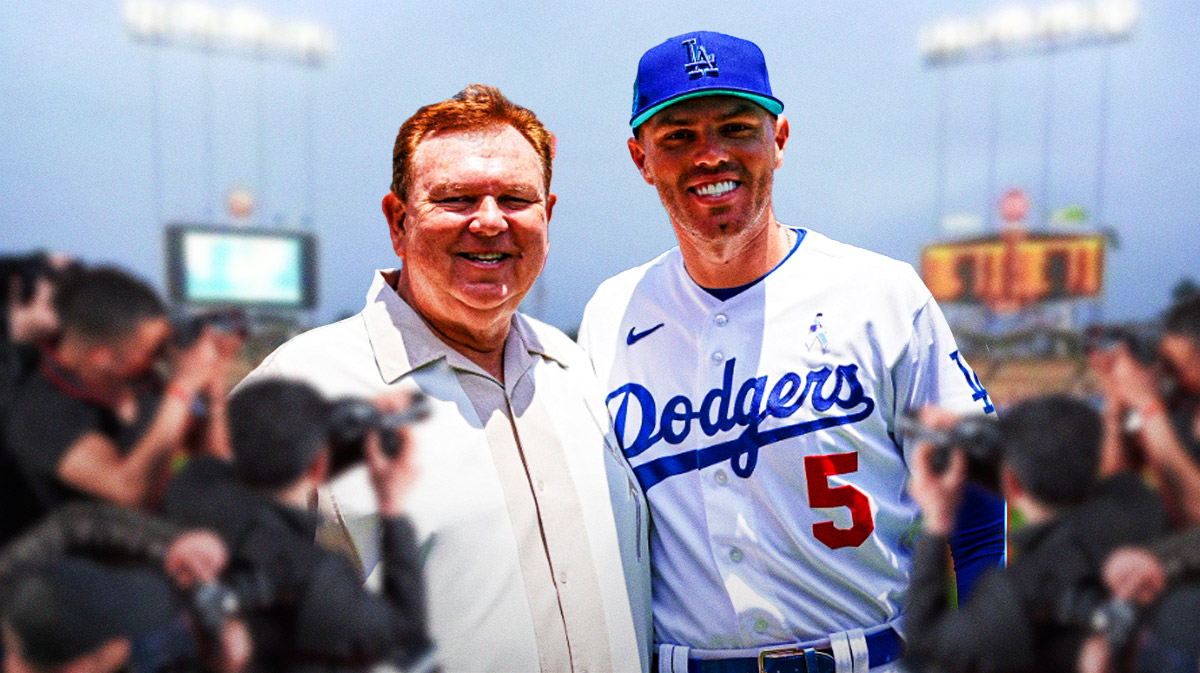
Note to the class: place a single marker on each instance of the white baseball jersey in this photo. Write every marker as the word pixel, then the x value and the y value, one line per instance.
pixel 762 429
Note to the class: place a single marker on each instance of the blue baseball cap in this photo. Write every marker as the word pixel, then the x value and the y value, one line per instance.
pixel 697 64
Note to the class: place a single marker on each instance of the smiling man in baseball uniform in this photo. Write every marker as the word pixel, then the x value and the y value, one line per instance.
pixel 755 375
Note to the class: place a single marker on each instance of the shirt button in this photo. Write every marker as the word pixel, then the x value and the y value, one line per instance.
pixel 562 577
pixel 721 320
pixel 760 625
pixel 718 357
pixel 540 485
pixel 721 477
pixel 735 554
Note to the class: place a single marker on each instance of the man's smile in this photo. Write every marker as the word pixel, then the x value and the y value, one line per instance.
pixel 485 257
pixel 714 189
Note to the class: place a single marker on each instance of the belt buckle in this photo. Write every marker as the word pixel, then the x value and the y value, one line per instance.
pixel 777 652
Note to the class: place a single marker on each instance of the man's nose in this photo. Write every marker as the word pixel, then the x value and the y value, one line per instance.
pixel 489 218
pixel 711 149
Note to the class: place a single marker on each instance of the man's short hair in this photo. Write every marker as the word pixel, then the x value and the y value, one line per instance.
pixel 105 304
pixel 73 605
pixel 476 107
pixel 276 429
pixel 1183 318
pixel 1052 443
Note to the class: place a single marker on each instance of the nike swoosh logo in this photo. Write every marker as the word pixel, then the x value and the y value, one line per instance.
pixel 635 337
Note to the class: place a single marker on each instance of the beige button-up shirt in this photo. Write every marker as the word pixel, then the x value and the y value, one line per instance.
pixel 533 528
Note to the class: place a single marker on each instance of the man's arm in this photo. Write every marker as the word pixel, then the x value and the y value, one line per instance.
pixel 991 632
pixel 93 464
pixel 342 620
pixel 1177 473
pixel 934 372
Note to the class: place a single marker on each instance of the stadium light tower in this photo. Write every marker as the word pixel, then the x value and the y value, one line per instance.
pixel 1015 30
pixel 240 31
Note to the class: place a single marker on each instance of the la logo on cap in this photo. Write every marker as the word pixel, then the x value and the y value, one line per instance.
pixel 700 62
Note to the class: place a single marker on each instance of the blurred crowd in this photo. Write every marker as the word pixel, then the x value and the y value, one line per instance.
pixel 152 521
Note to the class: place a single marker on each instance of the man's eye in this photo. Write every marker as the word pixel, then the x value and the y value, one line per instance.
pixel 735 129
pixel 453 200
pixel 515 201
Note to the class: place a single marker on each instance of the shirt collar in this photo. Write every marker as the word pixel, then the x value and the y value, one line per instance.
pixel 403 342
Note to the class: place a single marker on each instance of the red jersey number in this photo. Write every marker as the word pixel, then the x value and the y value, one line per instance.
pixel 817 470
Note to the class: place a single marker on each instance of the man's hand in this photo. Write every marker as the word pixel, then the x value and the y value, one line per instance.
pixel 227 345
pixel 195 365
pixel 391 477
pixel 1125 383
pixel 1095 656
pixel 35 319
pixel 937 494
pixel 194 558
pixel 1132 573
pixel 234 649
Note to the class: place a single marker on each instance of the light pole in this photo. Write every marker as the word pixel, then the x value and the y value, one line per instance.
pixel 240 31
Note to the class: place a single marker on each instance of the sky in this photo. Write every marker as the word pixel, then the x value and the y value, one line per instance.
pixel 86 114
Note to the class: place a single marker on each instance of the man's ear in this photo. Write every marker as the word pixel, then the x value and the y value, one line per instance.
pixel 393 211
pixel 781 136
pixel 638 154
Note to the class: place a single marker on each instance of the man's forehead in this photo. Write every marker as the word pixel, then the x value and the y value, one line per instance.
pixel 482 137
pixel 718 107
pixel 451 161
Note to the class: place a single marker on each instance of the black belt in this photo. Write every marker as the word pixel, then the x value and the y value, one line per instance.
pixel 883 647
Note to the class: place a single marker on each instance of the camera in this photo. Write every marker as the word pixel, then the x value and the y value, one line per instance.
pixel 187 328
pixel 352 418
pixel 1088 608
pixel 977 436
pixel 211 603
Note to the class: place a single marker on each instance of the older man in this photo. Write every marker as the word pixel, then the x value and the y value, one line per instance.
pixel 757 373
pixel 525 568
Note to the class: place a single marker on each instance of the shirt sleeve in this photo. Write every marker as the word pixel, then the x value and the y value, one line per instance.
pixel 932 371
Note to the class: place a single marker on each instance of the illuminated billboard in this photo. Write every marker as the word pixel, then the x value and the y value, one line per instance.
pixel 1015 269
pixel 245 266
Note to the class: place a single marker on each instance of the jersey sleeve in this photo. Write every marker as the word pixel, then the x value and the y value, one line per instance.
pixel 933 371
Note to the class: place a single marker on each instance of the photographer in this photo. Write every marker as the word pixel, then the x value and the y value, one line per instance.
pixel 94 421
pixel 29 283
pixel 1033 614
pixel 103 585
pixel 309 610
pixel 1152 409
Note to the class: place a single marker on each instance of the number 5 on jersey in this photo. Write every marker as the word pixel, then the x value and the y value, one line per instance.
pixel 817 470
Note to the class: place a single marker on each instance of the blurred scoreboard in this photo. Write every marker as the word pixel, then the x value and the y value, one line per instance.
pixel 1015 269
